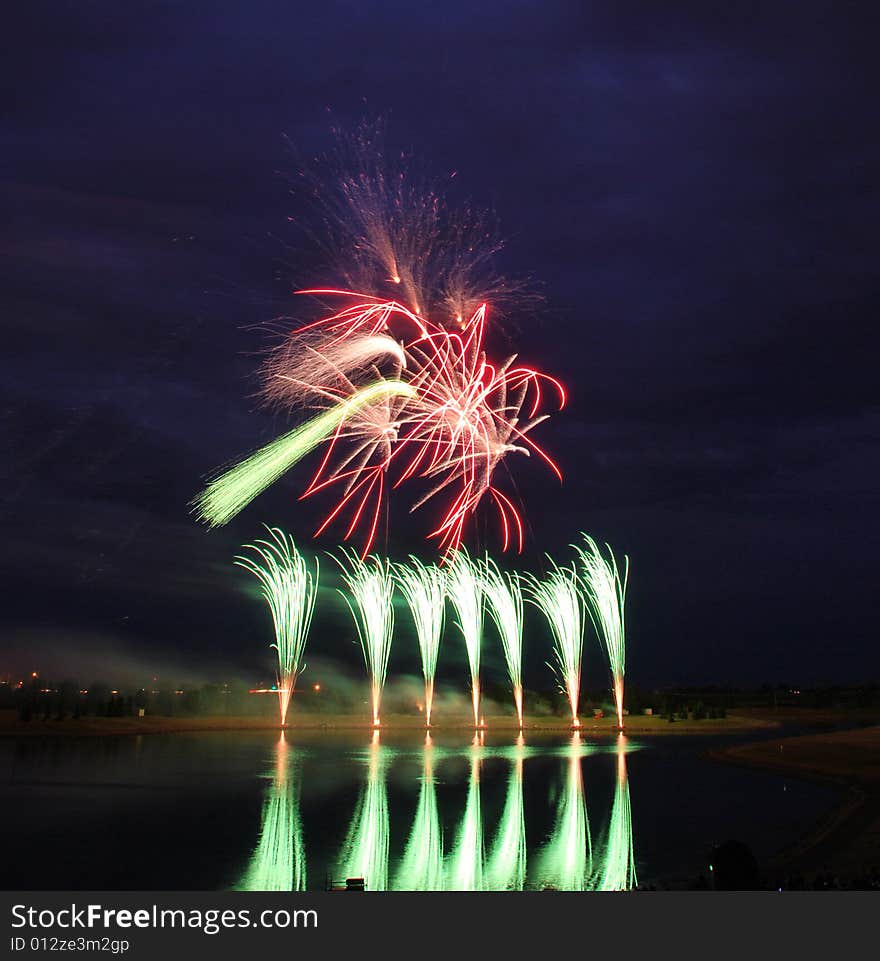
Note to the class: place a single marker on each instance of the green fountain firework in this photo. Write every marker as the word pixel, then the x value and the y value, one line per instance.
pixel 506 863
pixel 279 860
pixel 606 595
pixel 234 489
pixel 559 596
pixel 421 868
pixel 618 871
pixel 504 603
pixel 371 586
pixel 290 590
pixel 465 864
pixel 464 586
pixel 424 587
pixel 566 861
pixel 365 852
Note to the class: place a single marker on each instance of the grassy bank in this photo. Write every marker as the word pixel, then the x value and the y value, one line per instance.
pixel 737 721
pixel 10 724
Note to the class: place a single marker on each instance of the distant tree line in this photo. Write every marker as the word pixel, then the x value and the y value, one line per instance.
pixel 39 699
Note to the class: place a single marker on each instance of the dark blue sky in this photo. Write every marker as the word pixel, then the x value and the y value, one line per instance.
pixel 694 186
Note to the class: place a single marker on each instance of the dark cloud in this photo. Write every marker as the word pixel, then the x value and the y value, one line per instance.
pixel 693 186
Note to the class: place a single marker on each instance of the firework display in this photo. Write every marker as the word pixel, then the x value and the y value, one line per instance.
pixel 564 596
pixel 606 595
pixel 559 596
pixel 391 384
pixel 386 226
pixel 370 589
pixel 424 587
pixel 504 602
pixel 290 590
pixel 465 590
pixel 396 381
pixel 469 416
pixel 228 494
pixel 459 418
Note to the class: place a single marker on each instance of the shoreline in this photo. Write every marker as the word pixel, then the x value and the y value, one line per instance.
pixel 738 721
pixel 846 839
pixel 407 724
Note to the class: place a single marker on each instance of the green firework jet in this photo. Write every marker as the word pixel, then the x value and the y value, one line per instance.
pixel 606 596
pixel 504 603
pixel 559 596
pixel 424 587
pixel 371 587
pixel 290 590
pixel 464 587
pixel 234 489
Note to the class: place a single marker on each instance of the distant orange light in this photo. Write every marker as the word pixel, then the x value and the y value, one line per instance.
pixel 33 673
pixel 317 687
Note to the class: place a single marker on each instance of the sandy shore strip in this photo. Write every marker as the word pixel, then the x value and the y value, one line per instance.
pixel 606 727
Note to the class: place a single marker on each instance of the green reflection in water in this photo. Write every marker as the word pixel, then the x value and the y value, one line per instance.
pixel 464 867
pixel 365 852
pixel 421 868
pixel 506 864
pixel 279 860
pixel 618 870
pixel 566 860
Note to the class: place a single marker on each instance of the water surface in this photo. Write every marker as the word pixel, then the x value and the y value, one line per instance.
pixel 261 811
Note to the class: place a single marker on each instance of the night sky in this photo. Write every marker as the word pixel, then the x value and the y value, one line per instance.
pixel 692 188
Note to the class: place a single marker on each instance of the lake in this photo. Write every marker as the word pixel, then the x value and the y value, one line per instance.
pixel 262 811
